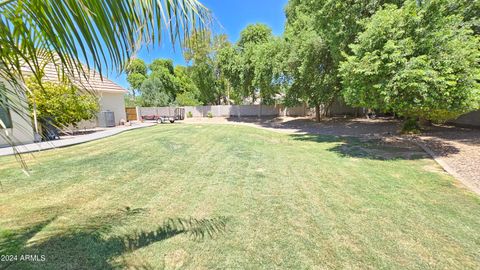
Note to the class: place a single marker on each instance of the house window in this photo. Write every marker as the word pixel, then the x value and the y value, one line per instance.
pixel 4 110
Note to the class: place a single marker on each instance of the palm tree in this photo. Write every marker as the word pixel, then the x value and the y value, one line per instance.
pixel 104 34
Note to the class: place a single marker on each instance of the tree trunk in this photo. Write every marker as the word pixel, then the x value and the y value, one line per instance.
pixel 317 112
pixel 329 108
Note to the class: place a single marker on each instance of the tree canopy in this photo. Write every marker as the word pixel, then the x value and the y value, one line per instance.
pixel 254 34
pixel 415 60
pixel 136 74
pixel 162 84
pixel 201 51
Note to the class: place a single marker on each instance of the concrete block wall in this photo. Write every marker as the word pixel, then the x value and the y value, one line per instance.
pixel 244 111
pixel 160 111
pixel 227 111
pixel 471 119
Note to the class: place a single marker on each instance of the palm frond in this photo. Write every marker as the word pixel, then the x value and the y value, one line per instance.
pixel 103 35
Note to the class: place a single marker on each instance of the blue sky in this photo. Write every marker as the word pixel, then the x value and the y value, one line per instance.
pixel 233 16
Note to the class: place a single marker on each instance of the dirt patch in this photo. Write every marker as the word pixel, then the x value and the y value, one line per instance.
pixel 382 149
pixel 176 259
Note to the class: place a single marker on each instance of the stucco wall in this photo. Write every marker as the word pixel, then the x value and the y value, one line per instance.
pixel 108 101
pixel 114 102
pixel 21 131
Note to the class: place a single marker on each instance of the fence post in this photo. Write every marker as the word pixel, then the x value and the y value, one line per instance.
pixel 138 110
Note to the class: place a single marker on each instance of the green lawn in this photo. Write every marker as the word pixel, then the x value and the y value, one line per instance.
pixel 218 196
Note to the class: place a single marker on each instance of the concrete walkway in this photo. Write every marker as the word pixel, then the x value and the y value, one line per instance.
pixel 35 147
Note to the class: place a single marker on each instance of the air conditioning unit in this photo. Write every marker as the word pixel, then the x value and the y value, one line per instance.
pixel 106 119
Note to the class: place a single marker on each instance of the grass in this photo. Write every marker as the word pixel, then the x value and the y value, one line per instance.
pixel 218 196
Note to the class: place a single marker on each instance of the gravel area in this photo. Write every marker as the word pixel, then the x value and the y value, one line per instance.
pixel 456 149
pixel 459 149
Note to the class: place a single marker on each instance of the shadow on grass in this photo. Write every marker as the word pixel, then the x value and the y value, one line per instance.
pixel 332 126
pixel 358 128
pixel 82 248
pixel 439 147
pixel 375 149
pixel 13 242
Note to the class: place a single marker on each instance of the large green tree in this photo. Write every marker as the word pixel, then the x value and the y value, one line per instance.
pixel 187 91
pixel 163 84
pixel 318 33
pixel 136 75
pixel 225 72
pixel 163 71
pixel 229 63
pixel 154 93
pixel 419 60
pixel 201 50
pixel 308 63
pixel 252 40
pixel 257 33
pixel 160 86
pixel 269 74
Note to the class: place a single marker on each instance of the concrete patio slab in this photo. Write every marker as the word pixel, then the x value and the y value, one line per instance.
pixel 35 147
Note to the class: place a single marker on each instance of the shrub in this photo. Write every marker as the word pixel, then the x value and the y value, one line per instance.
pixel 61 102
pixel 411 126
pixel 189 115
pixel 209 115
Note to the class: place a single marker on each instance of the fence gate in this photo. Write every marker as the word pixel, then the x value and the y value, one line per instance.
pixel 131 113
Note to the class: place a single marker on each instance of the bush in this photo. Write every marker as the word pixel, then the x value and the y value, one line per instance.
pixel 209 115
pixel 63 103
pixel 411 126
pixel 189 115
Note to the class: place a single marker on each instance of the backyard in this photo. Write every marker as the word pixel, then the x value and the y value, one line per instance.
pixel 201 196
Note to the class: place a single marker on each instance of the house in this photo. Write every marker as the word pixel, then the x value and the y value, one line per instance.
pixel 111 97
pixel 16 125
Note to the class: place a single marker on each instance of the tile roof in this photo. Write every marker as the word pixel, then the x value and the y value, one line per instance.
pixel 94 83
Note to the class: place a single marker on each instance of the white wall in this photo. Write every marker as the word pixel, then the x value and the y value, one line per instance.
pixel 114 102
pixel 21 131
pixel 108 101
